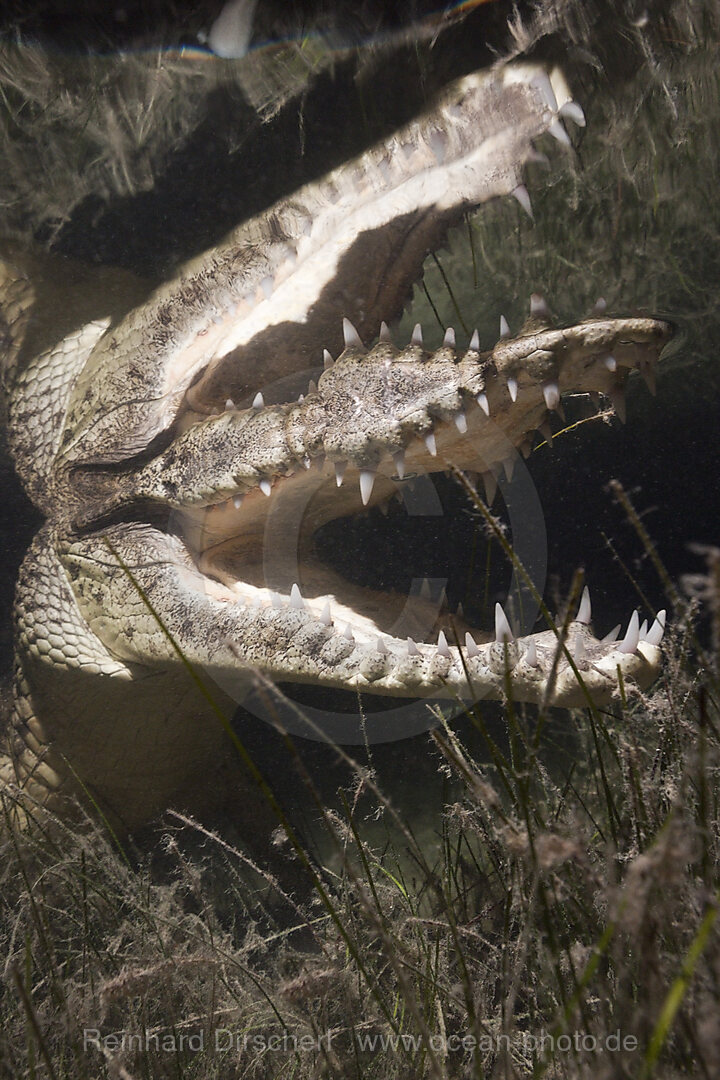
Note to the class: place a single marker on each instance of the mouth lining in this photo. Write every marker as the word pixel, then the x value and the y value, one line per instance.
pixel 261 546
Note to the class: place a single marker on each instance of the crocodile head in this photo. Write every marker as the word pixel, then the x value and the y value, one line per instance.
pixel 186 455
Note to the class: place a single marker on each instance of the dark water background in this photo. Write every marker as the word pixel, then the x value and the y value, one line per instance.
pixel 630 214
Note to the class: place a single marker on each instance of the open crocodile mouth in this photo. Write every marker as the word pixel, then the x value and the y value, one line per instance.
pixel 216 423
pixel 372 422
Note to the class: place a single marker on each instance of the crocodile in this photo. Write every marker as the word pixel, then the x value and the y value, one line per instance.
pixel 185 453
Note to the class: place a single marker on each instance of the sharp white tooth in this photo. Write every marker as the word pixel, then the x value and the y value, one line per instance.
pixel 474 345
pixel 312 387
pixel 655 634
pixel 574 112
pixel 237 501
pixel 521 194
pixel 632 635
pixel 348 634
pixel 617 396
pixel 449 338
pixel 542 83
pixel 301 398
pixel 306 462
pixel 381 647
pixel 579 651
pixel 399 462
pixel 442 646
pixel 258 401
pixel 538 307
pixel 417 338
pixel 600 306
pixel 490 485
pixel 546 432
pixel 277 601
pixel 461 422
pixel 230 404
pixel 327 359
pixel 430 443
pixel 509 467
pixel 438 144
pixel 296 600
pixel 642 633
pixel 504 328
pixel 425 589
pixel 367 479
pixel 502 626
pixel 325 616
pixel 585 610
pixel 266 487
pixel 610 363
pixel 612 637
pixel 412 649
pixel 340 467
pixel 512 388
pixel 531 653
pixel 558 132
pixel 351 336
pixel 470 646
pixel 482 400
pixel 267 287
pixel 551 393
pixel 385 333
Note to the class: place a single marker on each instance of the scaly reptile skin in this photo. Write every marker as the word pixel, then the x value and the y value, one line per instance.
pixel 172 441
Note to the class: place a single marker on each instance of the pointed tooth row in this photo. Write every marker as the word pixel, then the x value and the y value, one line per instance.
pixel 655 634
pixel 490 485
pixel 551 393
pixel 585 610
pixel 573 112
pixel 632 635
pixel 351 336
pixel 367 481
pixel 430 443
pixel 482 400
pixel 503 631
pixel 521 194
pixel 528 653
pixel 538 307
